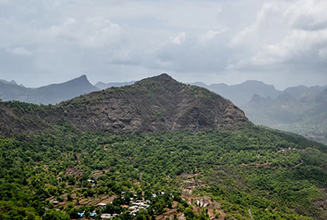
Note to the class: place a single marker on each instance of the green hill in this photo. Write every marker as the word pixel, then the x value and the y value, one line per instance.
pixel 176 151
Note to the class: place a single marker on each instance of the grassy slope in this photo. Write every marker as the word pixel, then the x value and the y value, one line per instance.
pixel 274 174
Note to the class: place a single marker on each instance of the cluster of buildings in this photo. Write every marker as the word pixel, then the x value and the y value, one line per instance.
pixel 202 203
pixel 109 216
pixel 138 205
pixel 133 208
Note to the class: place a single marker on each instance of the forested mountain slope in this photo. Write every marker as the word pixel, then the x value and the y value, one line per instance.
pixel 157 149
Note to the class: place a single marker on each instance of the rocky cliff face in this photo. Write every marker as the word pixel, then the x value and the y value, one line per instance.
pixel 153 104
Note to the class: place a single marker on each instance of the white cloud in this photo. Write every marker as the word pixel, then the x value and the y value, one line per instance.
pixel 286 35
pixel 92 32
pixel 209 35
pixel 307 15
pixel 179 39
pixel 20 51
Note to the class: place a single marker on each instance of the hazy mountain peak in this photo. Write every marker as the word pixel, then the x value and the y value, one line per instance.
pixel 257 84
pixel 298 91
pixel 198 83
pixel 82 78
pixel 102 85
pixel 50 94
pixel 12 82
pixel 251 81
pixel 255 98
pixel 258 101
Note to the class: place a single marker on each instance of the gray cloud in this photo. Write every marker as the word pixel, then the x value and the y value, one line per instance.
pixel 211 41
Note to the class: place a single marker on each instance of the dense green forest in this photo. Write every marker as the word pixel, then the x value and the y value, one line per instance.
pixel 267 173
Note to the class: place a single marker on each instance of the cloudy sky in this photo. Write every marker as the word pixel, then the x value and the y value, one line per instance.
pixel 280 42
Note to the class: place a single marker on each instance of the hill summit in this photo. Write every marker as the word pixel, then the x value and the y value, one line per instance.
pixel 152 104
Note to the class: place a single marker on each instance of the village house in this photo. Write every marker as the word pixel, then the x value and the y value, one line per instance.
pixel 55 202
pixel 106 216
pixel 101 205
pixel 93 214
pixel 91 181
pixel 81 214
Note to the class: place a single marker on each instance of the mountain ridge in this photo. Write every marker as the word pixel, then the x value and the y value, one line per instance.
pixel 304 115
pixel 50 94
pixel 242 93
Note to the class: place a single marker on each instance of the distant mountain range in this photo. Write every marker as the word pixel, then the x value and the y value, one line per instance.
pixel 102 85
pixel 239 94
pixel 51 94
pixel 54 93
pixel 242 93
pixel 298 109
pixel 305 113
